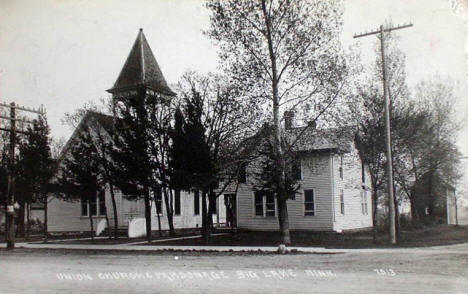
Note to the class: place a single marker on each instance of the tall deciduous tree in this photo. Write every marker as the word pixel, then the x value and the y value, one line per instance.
pixel 213 111
pixel 160 114
pixel 101 127
pixel 427 157
pixel 79 176
pixel 285 55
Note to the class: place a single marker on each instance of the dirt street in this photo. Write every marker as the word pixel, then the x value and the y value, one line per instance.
pixel 425 271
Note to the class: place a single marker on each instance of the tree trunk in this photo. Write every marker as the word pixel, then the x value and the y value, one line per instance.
pixel 109 233
pixel 206 231
pixel 158 212
pixel 91 222
pixel 148 215
pixel 46 233
pixel 211 208
pixel 414 211
pixel 114 209
pixel 6 221
pixel 158 216
pixel 28 220
pixel 374 215
pixel 169 210
pixel 397 214
pixel 20 228
pixel 284 221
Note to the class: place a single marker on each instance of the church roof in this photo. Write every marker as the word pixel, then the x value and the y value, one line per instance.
pixel 141 69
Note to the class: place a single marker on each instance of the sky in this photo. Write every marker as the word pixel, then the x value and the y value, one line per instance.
pixel 63 53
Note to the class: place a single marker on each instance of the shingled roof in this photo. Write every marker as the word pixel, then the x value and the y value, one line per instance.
pixel 141 69
pixel 311 139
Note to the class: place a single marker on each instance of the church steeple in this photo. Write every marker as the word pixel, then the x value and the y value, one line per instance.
pixel 141 70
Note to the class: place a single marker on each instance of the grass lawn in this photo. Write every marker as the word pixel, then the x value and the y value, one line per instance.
pixel 428 236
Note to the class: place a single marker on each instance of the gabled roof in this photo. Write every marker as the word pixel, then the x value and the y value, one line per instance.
pixel 104 120
pixel 311 139
pixel 141 69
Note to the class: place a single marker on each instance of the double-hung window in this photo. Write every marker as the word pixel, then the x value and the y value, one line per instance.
pixel 269 204
pixel 94 206
pixel 196 202
pixel 297 169
pixel 242 173
pixel 158 201
pixel 342 202
pixel 177 202
pixel 265 203
pixel 309 203
pixel 364 202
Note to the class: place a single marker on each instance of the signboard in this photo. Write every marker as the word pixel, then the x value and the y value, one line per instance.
pixel 10 209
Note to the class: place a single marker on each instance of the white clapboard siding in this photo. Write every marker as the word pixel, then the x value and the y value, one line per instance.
pixel 353 218
pixel 316 175
pixel 66 216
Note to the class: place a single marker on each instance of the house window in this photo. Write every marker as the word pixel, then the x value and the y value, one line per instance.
pixel 242 175
pixel 196 203
pixel 102 203
pixel 270 204
pixel 258 203
pixel 95 205
pixel 363 173
pixel 265 203
pixel 158 201
pixel 84 206
pixel 297 169
pixel 342 202
pixel 177 202
pixel 363 202
pixel 93 209
pixel 309 203
pixel 341 167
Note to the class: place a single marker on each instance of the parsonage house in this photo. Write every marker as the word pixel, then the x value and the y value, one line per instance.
pixel 332 196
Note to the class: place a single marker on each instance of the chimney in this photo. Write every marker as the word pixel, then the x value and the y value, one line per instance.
pixel 312 124
pixel 288 119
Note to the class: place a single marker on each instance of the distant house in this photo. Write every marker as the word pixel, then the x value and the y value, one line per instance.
pixel 333 193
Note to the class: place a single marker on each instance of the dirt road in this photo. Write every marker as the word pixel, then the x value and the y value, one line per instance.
pixel 433 271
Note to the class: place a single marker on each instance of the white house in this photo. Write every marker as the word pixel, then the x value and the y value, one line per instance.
pixel 333 192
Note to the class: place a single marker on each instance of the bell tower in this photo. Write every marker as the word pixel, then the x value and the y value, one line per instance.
pixel 140 74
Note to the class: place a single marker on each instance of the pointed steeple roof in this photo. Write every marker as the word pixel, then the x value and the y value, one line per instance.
pixel 141 69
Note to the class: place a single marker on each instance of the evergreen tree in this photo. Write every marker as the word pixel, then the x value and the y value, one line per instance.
pixel 35 168
pixel 199 167
pixel 134 167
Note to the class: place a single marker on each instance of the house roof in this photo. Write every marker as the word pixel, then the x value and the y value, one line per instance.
pixel 307 139
pixel 104 120
pixel 141 69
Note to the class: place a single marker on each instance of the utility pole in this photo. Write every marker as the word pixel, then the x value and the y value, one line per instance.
pixel 10 208
pixel 388 140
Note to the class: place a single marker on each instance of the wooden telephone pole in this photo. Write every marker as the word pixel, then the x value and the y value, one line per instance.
pixel 10 208
pixel 381 32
